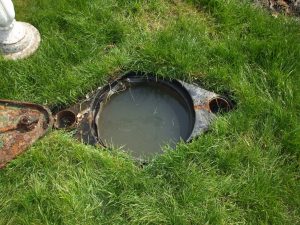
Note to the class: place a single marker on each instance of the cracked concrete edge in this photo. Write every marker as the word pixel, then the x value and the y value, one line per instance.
pixel 203 117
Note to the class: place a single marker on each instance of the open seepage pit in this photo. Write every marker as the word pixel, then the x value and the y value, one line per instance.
pixel 143 115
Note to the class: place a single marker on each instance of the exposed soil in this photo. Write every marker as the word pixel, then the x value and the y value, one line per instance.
pixel 288 7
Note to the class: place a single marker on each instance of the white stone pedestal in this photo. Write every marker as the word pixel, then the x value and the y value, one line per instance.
pixel 17 39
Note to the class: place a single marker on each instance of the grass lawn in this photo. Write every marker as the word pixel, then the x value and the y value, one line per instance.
pixel 245 170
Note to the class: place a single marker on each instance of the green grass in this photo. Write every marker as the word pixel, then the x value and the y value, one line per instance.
pixel 245 170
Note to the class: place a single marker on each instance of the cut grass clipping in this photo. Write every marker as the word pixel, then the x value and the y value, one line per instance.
pixel 245 170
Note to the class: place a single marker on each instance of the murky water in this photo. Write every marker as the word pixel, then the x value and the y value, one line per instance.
pixel 144 118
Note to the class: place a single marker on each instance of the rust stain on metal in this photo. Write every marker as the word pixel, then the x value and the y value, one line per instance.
pixel 21 124
pixel 26 123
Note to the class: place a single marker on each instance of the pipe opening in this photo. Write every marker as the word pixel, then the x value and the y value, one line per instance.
pixel 65 119
pixel 219 105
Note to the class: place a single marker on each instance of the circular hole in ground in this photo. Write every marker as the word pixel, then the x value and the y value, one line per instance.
pixel 144 115
pixel 219 105
pixel 65 119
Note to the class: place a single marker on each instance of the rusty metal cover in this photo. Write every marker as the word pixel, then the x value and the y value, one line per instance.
pixel 21 124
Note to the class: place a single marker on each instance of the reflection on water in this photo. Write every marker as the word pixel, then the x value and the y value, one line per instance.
pixel 143 118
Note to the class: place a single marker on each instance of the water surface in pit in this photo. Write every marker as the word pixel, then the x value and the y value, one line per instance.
pixel 143 118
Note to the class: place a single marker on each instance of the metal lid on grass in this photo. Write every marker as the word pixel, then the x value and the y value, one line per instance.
pixel 21 124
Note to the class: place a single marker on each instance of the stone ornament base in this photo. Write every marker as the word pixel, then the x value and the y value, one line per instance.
pixel 24 47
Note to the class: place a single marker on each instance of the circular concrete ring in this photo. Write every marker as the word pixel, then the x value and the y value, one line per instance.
pixel 25 47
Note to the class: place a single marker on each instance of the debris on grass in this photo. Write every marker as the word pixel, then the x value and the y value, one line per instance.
pixel 287 7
